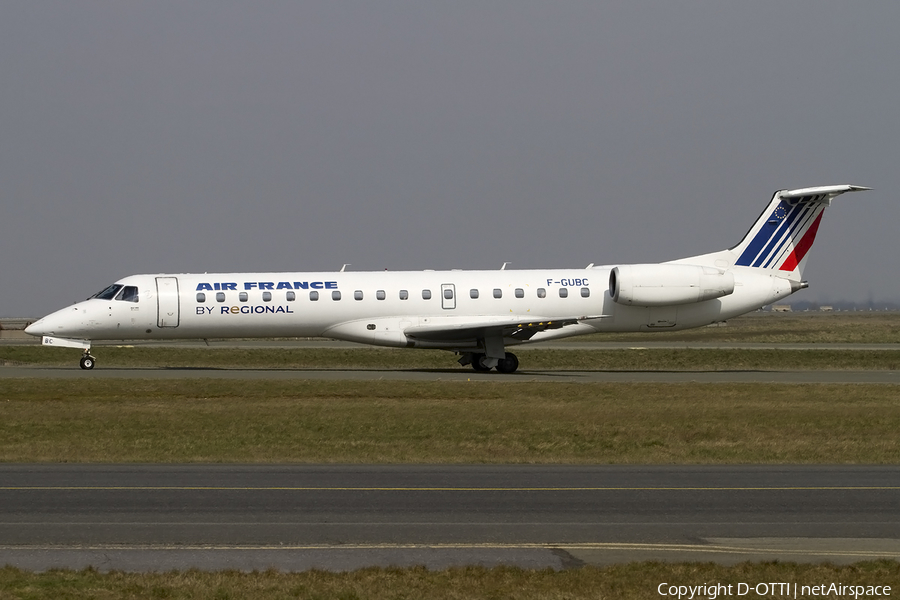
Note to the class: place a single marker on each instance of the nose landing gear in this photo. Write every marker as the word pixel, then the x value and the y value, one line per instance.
pixel 87 361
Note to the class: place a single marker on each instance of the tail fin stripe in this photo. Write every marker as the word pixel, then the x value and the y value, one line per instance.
pixel 779 223
pixel 800 234
pixel 784 232
pixel 783 246
pixel 752 250
pixel 803 247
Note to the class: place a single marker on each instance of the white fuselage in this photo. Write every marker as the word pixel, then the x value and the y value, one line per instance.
pixel 379 307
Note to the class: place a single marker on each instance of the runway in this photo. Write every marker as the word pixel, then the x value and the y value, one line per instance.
pixel 343 517
pixel 461 374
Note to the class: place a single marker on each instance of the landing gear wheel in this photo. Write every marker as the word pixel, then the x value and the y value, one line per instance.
pixel 87 362
pixel 508 364
pixel 478 365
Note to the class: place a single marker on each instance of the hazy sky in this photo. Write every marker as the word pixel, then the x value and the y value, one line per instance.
pixel 147 137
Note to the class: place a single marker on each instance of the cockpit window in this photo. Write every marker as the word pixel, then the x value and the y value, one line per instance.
pixel 128 294
pixel 109 293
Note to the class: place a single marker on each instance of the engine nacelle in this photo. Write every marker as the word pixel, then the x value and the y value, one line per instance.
pixel 660 285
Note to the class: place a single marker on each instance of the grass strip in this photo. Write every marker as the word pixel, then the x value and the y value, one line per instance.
pixel 535 358
pixel 380 422
pixel 635 580
pixel 781 328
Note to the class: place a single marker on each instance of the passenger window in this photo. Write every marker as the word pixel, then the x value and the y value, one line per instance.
pixel 542 293
pixel 335 295
pixel 220 296
pixel 201 297
pixel 242 296
pixel 267 296
pixel 585 292
pixel 520 293
pixel 129 293
pixel 404 295
pixel 498 293
pixel 563 292
pixel 358 295
pixel 473 293
pixel 380 295
pixel 290 296
pixel 448 294
pixel 426 294
pixel 314 295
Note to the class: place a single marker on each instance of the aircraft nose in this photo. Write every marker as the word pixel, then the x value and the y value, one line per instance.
pixel 37 328
pixel 60 323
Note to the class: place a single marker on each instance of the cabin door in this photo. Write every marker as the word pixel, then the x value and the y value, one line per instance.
pixel 168 311
pixel 448 296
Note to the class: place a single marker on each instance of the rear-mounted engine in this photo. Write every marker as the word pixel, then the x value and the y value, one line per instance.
pixel 659 285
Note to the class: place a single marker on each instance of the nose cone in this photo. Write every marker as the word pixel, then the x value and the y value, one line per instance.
pixel 37 328
pixel 61 323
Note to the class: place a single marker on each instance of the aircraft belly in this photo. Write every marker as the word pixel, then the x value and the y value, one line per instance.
pixel 376 331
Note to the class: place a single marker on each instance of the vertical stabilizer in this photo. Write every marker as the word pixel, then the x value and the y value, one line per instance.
pixel 782 236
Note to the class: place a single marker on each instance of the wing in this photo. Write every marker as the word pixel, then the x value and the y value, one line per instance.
pixel 453 330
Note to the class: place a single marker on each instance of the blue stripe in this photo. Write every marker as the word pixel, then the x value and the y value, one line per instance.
pixel 796 233
pixel 753 249
pixel 796 216
pixel 762 236
pixel 784 226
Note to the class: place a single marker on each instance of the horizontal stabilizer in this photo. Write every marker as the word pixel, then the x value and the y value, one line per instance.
pixel 825 190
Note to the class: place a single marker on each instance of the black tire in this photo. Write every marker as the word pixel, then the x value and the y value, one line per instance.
pixel 508 364
pixel 87 362
pixel 477 364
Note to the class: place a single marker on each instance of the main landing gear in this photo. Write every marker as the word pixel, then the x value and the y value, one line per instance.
pixel 87 361
pixel 508 364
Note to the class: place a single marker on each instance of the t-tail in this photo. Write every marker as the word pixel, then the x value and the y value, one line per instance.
pixel 780 239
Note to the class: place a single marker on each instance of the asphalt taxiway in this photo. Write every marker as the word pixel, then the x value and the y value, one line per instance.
pixel 459 374
pixel 452 373
pixel 157 517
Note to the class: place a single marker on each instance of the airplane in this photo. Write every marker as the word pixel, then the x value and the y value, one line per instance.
pixel 475 314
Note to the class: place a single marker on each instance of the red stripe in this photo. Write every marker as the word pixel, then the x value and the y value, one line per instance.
pixel 803 247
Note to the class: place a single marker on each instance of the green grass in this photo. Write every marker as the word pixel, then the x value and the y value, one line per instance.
pixel 625 582
pixel 633 359
pixel 781 328
pixel 302 421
